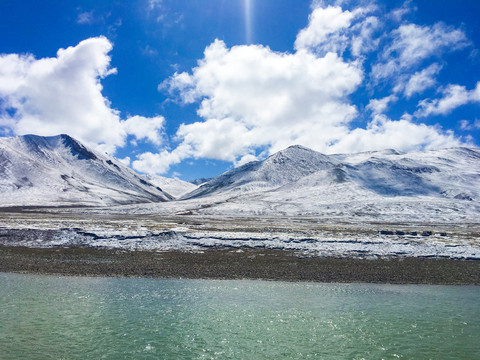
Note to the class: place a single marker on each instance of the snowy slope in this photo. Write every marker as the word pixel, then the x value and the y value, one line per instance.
pixel 441 185
pixel 281 168
pixel 173 186
pixel 59 170
pixel 449 173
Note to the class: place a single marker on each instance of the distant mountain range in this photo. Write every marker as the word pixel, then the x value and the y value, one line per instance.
pixel 47 171
pixel 450 173
pixel 441 185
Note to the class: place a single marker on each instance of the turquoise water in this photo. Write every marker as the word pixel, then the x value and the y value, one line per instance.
pixel 47 317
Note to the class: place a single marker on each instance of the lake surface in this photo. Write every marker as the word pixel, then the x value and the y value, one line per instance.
pixel 48 317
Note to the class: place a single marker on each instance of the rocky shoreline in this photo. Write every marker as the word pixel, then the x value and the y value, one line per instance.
pixel 263 264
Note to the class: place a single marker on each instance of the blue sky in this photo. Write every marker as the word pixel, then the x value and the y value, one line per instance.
pixel 194 88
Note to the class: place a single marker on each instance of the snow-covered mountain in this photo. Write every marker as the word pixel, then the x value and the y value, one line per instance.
pixel 59 170
pixel 279 169
pixel 440 185
pixel 173 186
pixel 449 173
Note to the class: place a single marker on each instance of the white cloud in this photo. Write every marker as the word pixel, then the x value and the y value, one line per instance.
pixel 364 41
pixel 145 128
pixel 245 160
pixel 413 44
pixel 453 97
pixel 468 126
pixel 465 125
pixel 322 23
pixel 422 80
pixel 378 106
pixel 125 161
pixel 398 14
pixel 223 139
pixel 85 17
pixel 160 163
pixel 332 29
pixel 258 86
pixel 402 135
pixel 63 94
pixel 251 96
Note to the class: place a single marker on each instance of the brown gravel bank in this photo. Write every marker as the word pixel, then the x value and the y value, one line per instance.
pixel 227 264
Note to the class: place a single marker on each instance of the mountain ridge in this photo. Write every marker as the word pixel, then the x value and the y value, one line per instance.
pixel 297 161
pixel 386 172
pixel 59 170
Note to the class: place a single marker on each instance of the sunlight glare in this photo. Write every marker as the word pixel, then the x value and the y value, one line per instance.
pixel 248 20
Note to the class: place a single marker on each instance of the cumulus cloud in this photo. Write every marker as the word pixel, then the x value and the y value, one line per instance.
pixel 332 29
pixel 323 22
pixel 252 99
pixel 63 94
pixel 160 163
pixel 453 97
pixel 251 96
pixel 403 135
pixel 145 128
pixel 245 159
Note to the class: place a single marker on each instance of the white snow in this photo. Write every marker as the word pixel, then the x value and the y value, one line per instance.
pixel 442 185
pixel 305 237
pixel 172 186
pixel 58 170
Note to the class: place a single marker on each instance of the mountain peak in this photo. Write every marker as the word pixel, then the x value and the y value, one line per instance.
pixel 283 167
pixel 60 170
pixel 299 147
pixel 77 149
pixel 294 149
pixel 300 155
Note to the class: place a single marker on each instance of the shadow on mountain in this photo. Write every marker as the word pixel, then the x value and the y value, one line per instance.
pixel 387 178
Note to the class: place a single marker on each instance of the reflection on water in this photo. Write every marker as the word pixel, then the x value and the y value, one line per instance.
pixel 44 317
